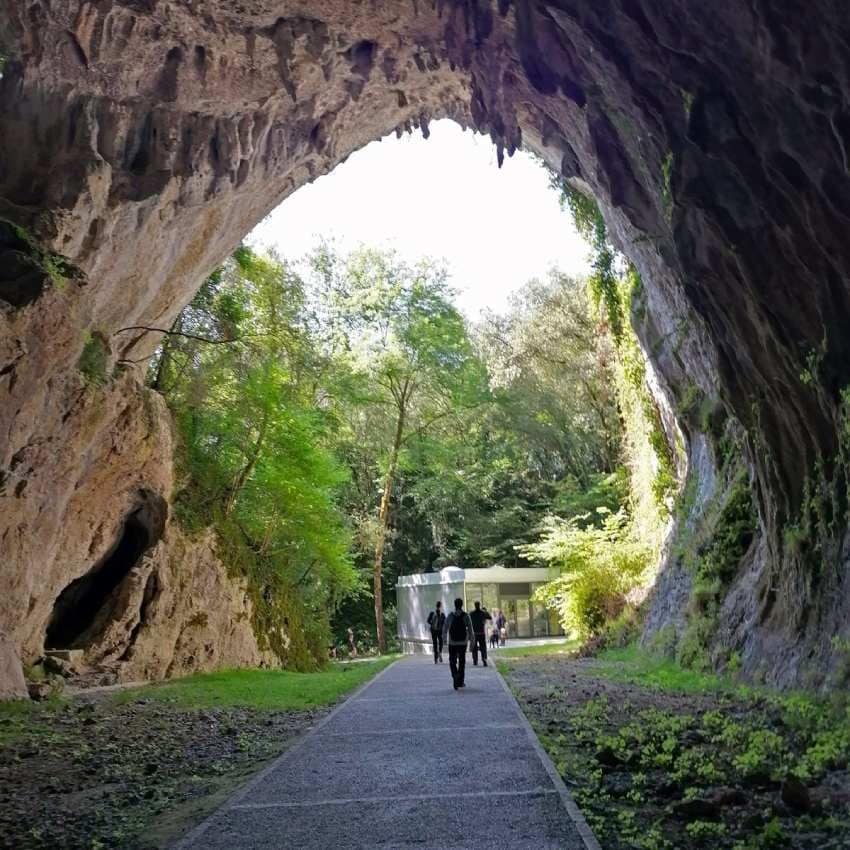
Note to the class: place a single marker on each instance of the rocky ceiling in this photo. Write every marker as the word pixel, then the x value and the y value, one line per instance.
pixel 140 140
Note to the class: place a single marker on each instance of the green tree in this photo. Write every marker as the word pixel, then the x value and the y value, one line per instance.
pixel 598 559
pixel 477 484
pixel 412 347
pixel 244 375
pixel 554 360
pixel 345 425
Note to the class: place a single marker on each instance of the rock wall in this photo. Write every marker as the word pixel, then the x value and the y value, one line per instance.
pixel 93 459
pixel 142 140
pixel 178 612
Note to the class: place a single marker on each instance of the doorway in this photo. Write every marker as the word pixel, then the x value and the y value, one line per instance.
pixel 517 611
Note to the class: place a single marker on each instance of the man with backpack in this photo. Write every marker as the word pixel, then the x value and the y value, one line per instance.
pixel 458 631
pixel 437 622
pixel 479 619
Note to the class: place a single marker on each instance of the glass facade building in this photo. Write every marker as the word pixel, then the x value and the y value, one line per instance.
pixel 497 588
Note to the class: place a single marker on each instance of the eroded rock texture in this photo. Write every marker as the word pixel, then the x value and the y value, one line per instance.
pixel 91 559
pixel 141 140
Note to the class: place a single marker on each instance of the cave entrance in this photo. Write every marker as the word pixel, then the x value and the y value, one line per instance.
pixel 87 605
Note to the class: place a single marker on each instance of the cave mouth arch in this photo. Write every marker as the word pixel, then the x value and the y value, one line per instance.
pixel 86 606
pixel 714 139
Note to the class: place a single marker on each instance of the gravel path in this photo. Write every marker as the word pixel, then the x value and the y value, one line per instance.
pixel 408 762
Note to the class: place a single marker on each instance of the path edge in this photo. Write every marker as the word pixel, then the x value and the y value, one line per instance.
pixel 243 790
pixel 575 813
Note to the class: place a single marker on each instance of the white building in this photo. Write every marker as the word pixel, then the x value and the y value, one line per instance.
pixel 497 588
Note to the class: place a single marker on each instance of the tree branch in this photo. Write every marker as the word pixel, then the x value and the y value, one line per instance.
pixel 179 333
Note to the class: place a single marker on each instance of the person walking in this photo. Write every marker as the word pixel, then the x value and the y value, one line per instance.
pixel 437 621
pixel 458 631
pixel 501 626
pixel 479 619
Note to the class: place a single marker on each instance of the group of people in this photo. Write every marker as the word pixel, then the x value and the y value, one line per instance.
pixel 460 630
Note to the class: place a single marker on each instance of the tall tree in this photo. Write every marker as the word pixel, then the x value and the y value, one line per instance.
pixel 555 360
pixel 413 345
pixel 244 375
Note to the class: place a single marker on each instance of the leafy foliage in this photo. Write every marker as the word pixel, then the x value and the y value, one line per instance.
pixel 554 363
pixel 94 359
pixel 591 589
pixel 411 348
pixel 663 757
pixel 342 421
pixel 599 562
pixel 255 458
pixel 546 440
pixel 604 283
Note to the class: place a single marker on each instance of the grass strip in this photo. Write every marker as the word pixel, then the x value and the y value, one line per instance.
pixel 271 690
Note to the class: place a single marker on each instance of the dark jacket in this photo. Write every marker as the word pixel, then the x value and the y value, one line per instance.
pixel 478 618
pixel 436 620
pixel 447 635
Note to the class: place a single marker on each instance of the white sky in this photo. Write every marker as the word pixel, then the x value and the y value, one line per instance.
pixel 445 198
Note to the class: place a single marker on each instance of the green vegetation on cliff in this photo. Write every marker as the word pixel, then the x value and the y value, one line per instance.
pixel 603 557
pixel 240 368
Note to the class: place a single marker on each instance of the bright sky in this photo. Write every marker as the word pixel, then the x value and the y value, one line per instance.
pixel 443 197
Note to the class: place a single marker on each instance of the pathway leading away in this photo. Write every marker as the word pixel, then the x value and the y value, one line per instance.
pixel 407 762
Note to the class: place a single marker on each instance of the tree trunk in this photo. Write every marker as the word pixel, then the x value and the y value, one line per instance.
pixel 383 527
pixel 245 473
pixel 165 356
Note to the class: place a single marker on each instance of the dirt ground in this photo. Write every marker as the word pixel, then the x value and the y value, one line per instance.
pixel 93 774
pixel 660 770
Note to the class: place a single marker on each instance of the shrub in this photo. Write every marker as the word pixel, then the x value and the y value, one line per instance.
pixel 94 359
pixel 598 565
pixel 765 754
pixel 623 630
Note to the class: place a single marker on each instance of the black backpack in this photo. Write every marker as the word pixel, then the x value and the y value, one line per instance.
pixel 457 629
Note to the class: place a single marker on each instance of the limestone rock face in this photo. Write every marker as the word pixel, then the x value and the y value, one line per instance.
pixel 178 612
pixel 142 140
pixel 12 683
pixel 92 561
pixel 84 457
pixel 175 612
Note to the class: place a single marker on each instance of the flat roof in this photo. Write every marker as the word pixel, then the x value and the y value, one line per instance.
pixel 497 574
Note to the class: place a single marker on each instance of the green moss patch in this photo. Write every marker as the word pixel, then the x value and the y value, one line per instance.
pixel 26 269
pixel 664 758
pixel 94 359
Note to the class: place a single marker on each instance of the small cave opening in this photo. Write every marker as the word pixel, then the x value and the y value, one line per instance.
pixel 88 604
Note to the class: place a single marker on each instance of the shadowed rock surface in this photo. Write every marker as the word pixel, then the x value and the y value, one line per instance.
pixel 139 141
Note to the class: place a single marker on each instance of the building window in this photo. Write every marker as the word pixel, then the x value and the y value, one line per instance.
pixel 540 619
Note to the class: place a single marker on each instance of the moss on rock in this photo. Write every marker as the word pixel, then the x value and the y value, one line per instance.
pixel 732 526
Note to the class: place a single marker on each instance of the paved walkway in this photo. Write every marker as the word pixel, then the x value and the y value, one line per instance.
pixel 408 762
